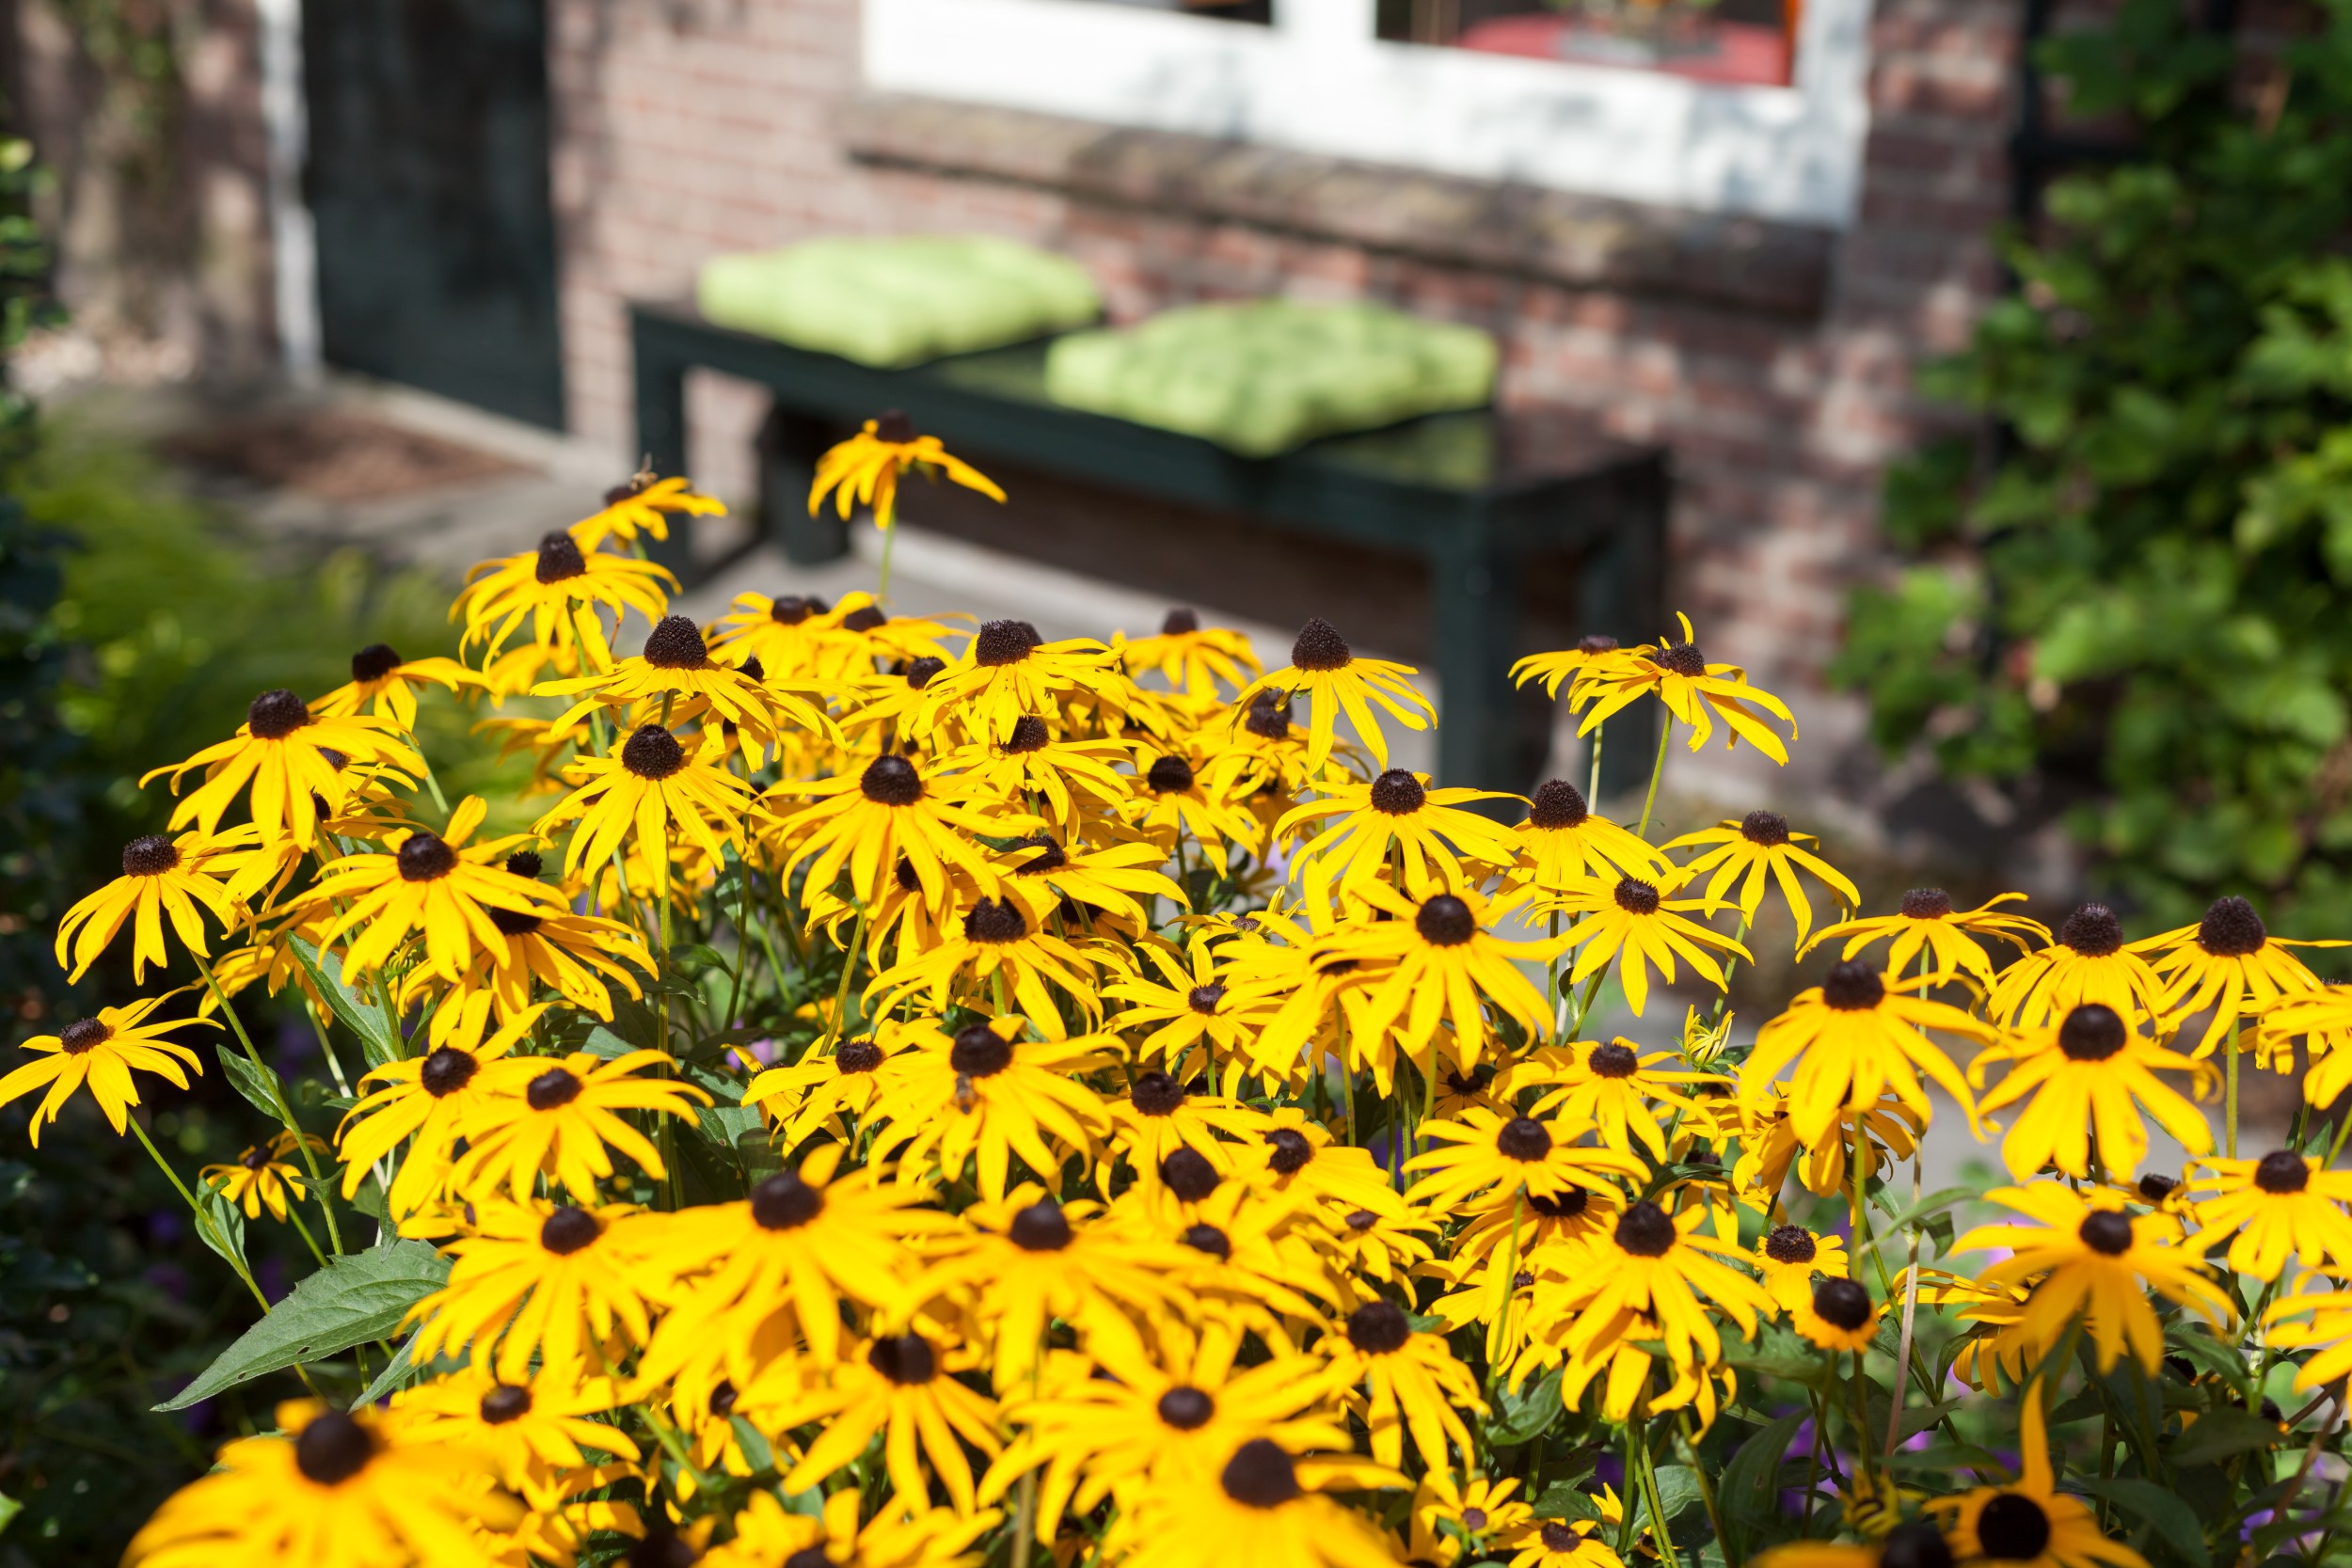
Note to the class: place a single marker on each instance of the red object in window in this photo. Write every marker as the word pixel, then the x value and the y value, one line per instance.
pixel 1712 51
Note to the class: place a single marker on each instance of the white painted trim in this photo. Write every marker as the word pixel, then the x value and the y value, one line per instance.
pixel 1320 82
pixel 294 238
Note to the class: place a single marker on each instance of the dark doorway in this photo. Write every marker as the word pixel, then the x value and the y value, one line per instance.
pixel 428 181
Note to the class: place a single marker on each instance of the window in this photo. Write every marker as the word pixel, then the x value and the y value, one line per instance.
pixel 1355 79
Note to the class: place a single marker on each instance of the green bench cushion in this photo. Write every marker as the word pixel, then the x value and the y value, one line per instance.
pixel 1263 377
pixel 897 302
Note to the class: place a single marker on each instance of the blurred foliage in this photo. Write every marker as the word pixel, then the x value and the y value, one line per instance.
pixel 2139 595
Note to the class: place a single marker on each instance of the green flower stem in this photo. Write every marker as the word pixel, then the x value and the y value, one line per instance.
pixel 1656 771
pixel 837 1029
pixel 890 541
pixel 1653 1505
pixel 278 1093
pixel 1592 788
pixel 1707 1488
pixel 293 1213
pixel 1497 1331
pixel 2230 1123
pixel 742 928
pixel 203 1220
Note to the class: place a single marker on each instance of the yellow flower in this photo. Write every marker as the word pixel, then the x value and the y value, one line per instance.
pixel 1563 843
pixel 1757 845
pixel 1557 1544
pixel 1336 681
pixel 915 1537
pixel 644 505
pixel 538 1278
pixel 2030 1523
pixel 426 887
pixel 2229 962
pixel 821 1089
pixel 1432 835
pixel 1007 673
pixel 385 683
pixel 1693 690
pixel 1789 1255
pixel 1511 1155
pixel 1177 795
pixel 983 1095
pixel 2315 1316
pixel 2322 1019
pixel 262 1176
pixel 161 876
pixel 101 1053
pixel 1926 922
pixel 887 813
pixel 541 1116
pixel 290 757
pixel 1439 958
pixel 1917 1544
pixel 1769 1145
pixel 565 592
pixel 1260 1508
pixel 1852 1038
pixel 1194 1018
pixel 1592 655
pixel 1062 778
pixel 1837 1314
pixel 1475 1505
pixel 1411 1383
pixel 901 1388
pixel 525 1429
pixel 428 1098
pixel 2089 1075
pixel 677 672
pixel 1643 1279
pixel 338 1491
pixel 1191 657
pixel 1634 920
pixel 1611 1085
pixel 2284 1205
pixel 654 788
pixel 865 468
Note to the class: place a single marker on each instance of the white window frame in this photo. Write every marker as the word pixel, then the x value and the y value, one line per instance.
pixel 1319 81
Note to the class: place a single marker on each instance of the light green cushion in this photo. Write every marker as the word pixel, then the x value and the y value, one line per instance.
pixel 1263 377
pixel 894 301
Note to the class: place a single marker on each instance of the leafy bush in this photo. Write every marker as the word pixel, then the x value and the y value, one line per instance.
pixel 2140 594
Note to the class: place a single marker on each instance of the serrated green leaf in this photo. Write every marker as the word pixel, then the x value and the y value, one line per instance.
pixel 2145 1502
pixel 355 1298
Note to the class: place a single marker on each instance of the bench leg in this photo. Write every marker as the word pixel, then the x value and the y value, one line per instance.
pixel 1476 609
pixel 789 446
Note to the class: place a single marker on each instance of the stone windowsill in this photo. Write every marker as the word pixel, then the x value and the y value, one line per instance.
pixel 1582 241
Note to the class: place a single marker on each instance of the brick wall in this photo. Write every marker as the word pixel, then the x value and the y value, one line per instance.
pixel 693 126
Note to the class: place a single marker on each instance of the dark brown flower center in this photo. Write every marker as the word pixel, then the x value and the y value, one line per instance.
pixel 653 753
pixel 1445 921
pixel 1557 804
pixel 515 923
pixel 723 1400
pixel 559 558
pixel 1030 734
pixel 2092 1033
pixel 1473 1519
pixel 1636 896
pixel 1040 1227
pixel 867 617
pixel 425 858
pixel 505 1403
pixel 893 425
pixel 1157 1094
pixel 275 715
pixel 1205 1000
pixel 1269 717
pixel 2282 1171
pixel 1917 1544
pixel 2012 1528
pixel 1524 1139
pixel 1188 1174
pixel 1291 1150
pixel 1180 622
pixel 1050 856
pixel 373 662
pixel 1397 793
pixel 979 1051
pixel 1614 1059
pixel 676 644
pixel 1378 1329
pixel 1853 986
pixel 791 610
pixel 525 863
pixel 906 1359
pixel 556 1088
pixel 2155 1186
pixel 446 1070
pixel 1320 646
pixel 1559 1536
pixel 254 1159
pixel 1362 1220
pixel 1790 1243
pixel 83 1035
pixel 1565 1204
pixel 858 1055
pixel 1001 642
pixel 2092 930
pixel 1767 828
pixel 1927 903
pixel 2108 1233
pixel 1209 1239
pixel 1646 1230
pixel 784 1202
pixel 891 780
pixel 1682 658
pixel 1170 776
pixel 994 920
pixel 568 1230
pixel 1594 643
pixel 2231 928
pixel 1841 1304
pixel 149 855
pixel 1260 1475
pixel 1185 1409
pixel 922 671
pixel 332 1448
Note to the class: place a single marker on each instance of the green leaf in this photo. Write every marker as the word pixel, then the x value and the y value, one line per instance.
pixel 2219 1433
pixel 379 1036
pixel 9 1508
pixel 2153 1506
pixel 397 1373
pixel 355 1298
pixel 1747 1491
pixel 259 1085
pixel 222 1229
pixel 1523 1414
pixel 1678 1490
pixel 1567 1502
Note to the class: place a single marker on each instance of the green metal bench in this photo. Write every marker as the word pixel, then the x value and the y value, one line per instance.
pixel 1483 498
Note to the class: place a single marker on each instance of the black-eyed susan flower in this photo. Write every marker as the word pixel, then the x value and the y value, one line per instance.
pixel 1651 1271
pixel 867 822
pixel 2090 1075
pixel 1759 846
pixel 1486 1152
pixel 644 505
pixel 428 1098
pixel 2322 1019
pixel 1926 922
pixel 524 1429
pixel 1109 886
pixel 1246 1262
pixel 1562 843
pixel 1917 1544
pixel 1336 681
pixel 676 671
pixel 2284 1205
pixel 1187 1016
pixel 1062 778
pixel 2088 1259
pixel 1440 959
pixel 288 756
pixel 261 1177
pixel 865 470
pixel 1789 1255
pixel 788 634
pixel 570 598
pixel 1192 658
pixel 826 1089
pixel 1611 1084
pixel 984 1095
pixel 427 887
pixel 1435 841
pixel 539 1279
pixel 561 1117
pixel 1694 692
pixel 1852 1038
pixel 100 1054
pixel 915 1537
pixel 2029 1522
pixel 1770 1147
pixel 2229 963
pixel 1162 1115
pixel 1480 1507
pixel 384 684
pixel 901 1388
pixel 995 945
pixel 1175 800
pixel 1563 1544
pixel 1007 673
pixel 580 958
pixel 654 789
pixel 336 1489
pixel 1410 1383
pixel 2315 1316
pixel 2087 961
pixel 1638 926
pixel 1593 653
pixel 1260 1508
pixel 180 879
pixel 1837 1314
